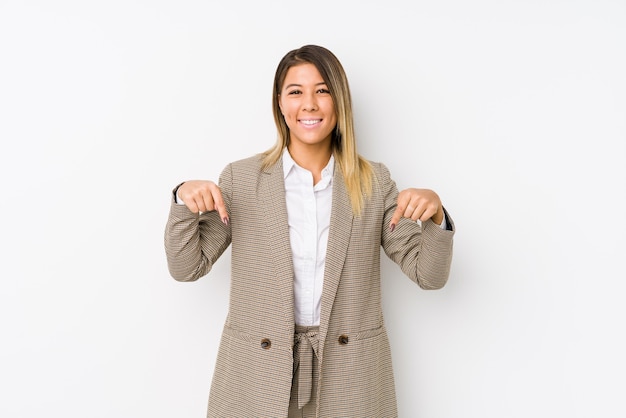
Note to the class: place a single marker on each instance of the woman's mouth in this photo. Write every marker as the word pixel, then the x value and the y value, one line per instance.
pixel 310 122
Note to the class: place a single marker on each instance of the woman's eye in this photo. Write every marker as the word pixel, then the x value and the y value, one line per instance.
pixel 295 92
pixel 324 91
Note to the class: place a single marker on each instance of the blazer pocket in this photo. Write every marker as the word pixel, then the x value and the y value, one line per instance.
pixel 346 338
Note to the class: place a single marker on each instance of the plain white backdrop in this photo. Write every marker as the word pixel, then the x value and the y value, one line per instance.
pixel 513 111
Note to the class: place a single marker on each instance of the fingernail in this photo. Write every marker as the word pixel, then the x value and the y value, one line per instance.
pixel 392 227
pixel 225 220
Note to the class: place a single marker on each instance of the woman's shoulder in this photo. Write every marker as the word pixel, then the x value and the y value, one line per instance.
pixel 253 162
pixel 379 168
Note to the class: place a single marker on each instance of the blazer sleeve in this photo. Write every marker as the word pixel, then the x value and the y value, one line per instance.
pixel 194 242
pixel 423 252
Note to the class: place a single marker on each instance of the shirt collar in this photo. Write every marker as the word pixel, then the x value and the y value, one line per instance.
pixel 289 163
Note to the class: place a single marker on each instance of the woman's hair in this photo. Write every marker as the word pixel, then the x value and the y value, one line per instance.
pixel 357 171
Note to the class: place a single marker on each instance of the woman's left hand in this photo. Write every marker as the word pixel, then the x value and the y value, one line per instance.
pixel 418 204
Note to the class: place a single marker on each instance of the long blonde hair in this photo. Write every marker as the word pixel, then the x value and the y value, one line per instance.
pixel 357 171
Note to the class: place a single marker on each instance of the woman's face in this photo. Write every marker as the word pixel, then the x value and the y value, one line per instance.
pixel 307 106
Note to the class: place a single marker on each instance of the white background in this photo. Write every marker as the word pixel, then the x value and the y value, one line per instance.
pixel 513 111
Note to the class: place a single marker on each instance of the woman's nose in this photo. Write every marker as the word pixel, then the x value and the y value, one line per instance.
pixel 309 103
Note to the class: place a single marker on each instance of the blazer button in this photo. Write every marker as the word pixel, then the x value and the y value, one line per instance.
pixel 343 339
pixel 266 344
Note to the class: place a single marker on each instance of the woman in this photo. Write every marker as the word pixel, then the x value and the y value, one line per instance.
pixel 305 336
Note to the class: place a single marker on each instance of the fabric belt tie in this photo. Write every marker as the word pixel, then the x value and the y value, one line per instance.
pixel 306 344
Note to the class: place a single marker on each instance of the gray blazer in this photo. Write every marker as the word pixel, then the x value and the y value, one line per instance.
pixel 252 379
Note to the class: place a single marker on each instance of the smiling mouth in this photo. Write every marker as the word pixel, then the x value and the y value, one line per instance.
pixel 310 122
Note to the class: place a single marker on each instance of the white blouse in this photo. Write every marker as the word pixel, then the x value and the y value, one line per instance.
pixel 308 209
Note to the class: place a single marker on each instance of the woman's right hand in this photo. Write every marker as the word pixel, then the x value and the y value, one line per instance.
pixel 203 196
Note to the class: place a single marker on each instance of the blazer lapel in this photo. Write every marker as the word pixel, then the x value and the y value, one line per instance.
pixel 338 240
pixel 272 196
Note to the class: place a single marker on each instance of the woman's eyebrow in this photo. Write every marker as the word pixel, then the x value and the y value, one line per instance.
pixel 322 83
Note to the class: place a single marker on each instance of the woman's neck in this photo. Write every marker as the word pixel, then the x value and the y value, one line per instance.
pixel 313 159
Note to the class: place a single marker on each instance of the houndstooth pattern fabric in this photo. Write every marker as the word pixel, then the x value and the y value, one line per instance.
pixel 253 372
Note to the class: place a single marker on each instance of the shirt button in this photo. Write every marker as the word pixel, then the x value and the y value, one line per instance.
pixel 343 339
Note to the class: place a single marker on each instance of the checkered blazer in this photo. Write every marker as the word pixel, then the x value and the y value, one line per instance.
pixel 254 366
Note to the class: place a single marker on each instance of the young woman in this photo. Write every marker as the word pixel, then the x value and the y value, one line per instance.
pixel 305 335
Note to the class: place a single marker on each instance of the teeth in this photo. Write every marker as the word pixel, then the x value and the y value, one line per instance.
pixel 310 122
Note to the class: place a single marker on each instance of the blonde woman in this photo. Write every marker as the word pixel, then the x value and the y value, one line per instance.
pixel 304 335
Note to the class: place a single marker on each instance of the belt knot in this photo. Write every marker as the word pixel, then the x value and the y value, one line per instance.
pixel 306 345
